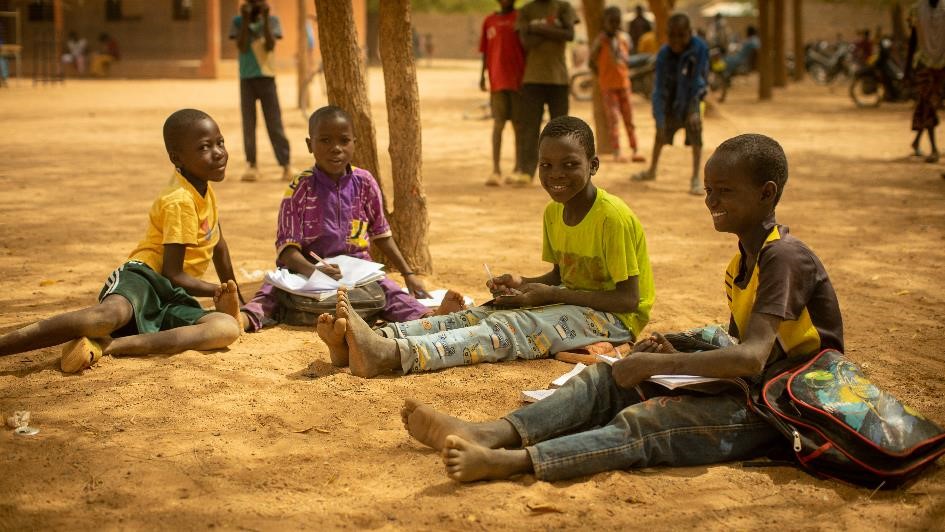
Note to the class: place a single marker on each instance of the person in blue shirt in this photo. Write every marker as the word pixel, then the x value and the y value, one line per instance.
pixel 256 31
pixel 681 70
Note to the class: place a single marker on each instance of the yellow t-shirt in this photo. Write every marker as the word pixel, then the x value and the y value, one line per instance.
pixel 608 246
pixel 180 215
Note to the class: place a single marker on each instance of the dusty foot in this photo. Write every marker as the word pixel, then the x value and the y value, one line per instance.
pixel 916 151
pixel 467 462
pixel 452 302
pixel 80 354
pixel 620 158
pixel 369 354
pixel 430 427
pixel 638 158
pixel 332 332
pixel 227 301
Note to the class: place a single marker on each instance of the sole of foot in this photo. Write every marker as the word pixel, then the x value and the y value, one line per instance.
pixel 80 354
pixel 430 427
pixel 228 301
pixel 452 302
pixel 332 332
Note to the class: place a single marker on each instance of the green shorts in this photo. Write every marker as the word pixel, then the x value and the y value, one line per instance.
pixel 157 304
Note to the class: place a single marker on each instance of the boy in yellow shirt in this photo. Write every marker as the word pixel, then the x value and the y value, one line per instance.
pixel 146 306
pixel 600 286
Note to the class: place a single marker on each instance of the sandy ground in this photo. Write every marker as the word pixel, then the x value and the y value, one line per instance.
pixel 212 440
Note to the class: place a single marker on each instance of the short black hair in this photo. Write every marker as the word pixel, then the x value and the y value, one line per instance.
pixel 679 18
pixel 612 10
pixel 178 122
pixel 570 126
pixel 759 156
pixel 326 112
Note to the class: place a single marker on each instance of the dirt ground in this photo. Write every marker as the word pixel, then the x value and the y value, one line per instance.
pixel 213 440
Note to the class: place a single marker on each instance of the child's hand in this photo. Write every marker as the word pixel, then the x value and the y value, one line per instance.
pixel 330 270
pixel 629 372
pixel 416 288
pixel 504 284
pixel 656 343
pixel 529 295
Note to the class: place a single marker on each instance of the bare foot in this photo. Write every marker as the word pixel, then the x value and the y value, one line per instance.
pixel 369 354
pixel 452 302
pixel 332 332
pixel 620 158
pixel 228 301
pixel 431 428
pixel 467 462
pixel 80 354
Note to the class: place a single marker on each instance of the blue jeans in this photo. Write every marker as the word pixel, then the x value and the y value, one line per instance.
pixel 591 425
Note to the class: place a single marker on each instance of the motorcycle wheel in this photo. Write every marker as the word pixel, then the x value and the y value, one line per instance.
pixel 819 74
pixel 867 91
pixel 582 86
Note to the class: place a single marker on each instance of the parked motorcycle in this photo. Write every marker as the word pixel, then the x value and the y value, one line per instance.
pixel 723 67
pixel 825 63
pixel 881 79
pixel 642 67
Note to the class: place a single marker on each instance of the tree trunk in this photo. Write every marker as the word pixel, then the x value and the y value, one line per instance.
pixel 345 76
pixel 780 65
pixel 765 68
pixel 593 12
pixel 661 10
pixel 798 39
pixel 409 219
pixel 302 66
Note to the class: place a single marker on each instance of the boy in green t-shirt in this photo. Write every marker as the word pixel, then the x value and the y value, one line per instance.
pixel 599 288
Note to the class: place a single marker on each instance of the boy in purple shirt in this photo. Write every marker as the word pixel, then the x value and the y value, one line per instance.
pixel 335 209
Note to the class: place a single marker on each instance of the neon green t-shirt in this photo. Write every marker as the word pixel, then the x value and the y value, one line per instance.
pixel 608 246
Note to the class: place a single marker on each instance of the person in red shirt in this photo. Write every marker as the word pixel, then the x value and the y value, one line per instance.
pixel 609 55
pixel 504 58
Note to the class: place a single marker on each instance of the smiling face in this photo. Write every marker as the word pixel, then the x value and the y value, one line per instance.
pixel 736 202
pixel 332 144
pixel 199 151
pixel 564 168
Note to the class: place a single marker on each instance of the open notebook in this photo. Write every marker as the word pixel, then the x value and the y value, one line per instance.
pixel 354 272
pixel 667 381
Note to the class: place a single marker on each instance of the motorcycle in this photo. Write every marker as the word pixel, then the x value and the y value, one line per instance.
pixel 642 67
pixel 721 73
pixel 825 65
pixel 881 79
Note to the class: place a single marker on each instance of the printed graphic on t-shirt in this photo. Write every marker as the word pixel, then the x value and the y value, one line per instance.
pixel 358 236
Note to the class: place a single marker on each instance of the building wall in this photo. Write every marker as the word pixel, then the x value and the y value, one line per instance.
pixel 153 44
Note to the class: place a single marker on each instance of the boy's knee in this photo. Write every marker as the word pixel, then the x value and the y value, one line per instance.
pixel 223 330
pixel 112 313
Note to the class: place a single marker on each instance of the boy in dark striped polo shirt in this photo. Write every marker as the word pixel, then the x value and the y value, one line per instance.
pixel 611 417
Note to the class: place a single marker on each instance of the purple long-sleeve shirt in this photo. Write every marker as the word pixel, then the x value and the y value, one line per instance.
pixel 317 214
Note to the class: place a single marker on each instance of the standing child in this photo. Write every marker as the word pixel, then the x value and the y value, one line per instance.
pixel 782 304
pixel 600 286
pixel 926 58
pixel 545 28
pixel 504 59
pixel 146 306
pixel 681 70
pixel 256 31
pixel 335 209
pixel 610 56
